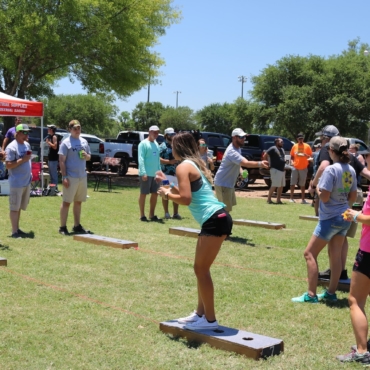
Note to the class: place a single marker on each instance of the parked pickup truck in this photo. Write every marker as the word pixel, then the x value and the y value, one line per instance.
pixel 125 147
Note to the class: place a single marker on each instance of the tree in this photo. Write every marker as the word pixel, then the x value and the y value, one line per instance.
pixel 95 112
pixel 307 93
pixel 216 117
pixel 106 45
pixel 242 115
pixel 147 114
pixel 181 118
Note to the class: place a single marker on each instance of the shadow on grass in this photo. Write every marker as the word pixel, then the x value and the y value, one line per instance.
pixel 238 239
pixel 4 247
pixel 189 344
pixel 340 303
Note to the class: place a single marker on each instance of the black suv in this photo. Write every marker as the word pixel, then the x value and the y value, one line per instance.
pixel 35 137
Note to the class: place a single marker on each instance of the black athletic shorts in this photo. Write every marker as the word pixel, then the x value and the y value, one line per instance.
pixel 220 223
pixel 362 263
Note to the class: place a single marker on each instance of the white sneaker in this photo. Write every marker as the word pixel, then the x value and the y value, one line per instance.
pixel 167 216
pixel 193 317
pixel 291 200
pixel 202 324
pixel 304 201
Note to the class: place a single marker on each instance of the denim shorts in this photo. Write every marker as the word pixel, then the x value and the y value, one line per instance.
pixel 326 229
pixel 220 223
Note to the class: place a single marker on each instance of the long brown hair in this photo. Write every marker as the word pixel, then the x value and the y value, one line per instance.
pixel 186 147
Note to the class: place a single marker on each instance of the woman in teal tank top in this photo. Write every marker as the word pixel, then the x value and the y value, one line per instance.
pixel 195 191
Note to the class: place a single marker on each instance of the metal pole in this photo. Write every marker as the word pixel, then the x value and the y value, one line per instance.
pixel 177 97
pixel 148 91
pixel 242 79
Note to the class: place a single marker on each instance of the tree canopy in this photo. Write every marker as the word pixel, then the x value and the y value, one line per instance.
pixel 181 118
pixel 106 45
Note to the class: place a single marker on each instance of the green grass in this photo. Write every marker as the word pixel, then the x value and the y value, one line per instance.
pixel 71 305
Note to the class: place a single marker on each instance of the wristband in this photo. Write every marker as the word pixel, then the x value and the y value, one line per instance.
pixel 355 217
pixel 172 185
pixel 64 177
pixel 259 164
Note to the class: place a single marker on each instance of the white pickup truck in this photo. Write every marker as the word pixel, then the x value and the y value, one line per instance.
pixel 125 147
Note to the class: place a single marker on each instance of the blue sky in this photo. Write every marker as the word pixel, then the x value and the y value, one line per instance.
pixel 217 41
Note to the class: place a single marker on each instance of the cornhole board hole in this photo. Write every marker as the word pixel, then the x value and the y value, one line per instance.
pixel 309 218
pixel 103 240
pixel 343 285
pixel 266 225
pixel 184 231
pixel 3 261
pixel 242 342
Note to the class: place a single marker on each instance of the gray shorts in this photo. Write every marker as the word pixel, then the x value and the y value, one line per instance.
pixel 277 178
pixel 149 186
pixel 298 177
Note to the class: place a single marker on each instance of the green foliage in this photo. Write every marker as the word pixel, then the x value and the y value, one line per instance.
pixel 181 118
pixel 216 117
pixel 106 45
pixel 95 112
pixel 147 114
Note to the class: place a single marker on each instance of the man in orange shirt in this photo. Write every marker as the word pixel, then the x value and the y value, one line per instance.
pixel 300 153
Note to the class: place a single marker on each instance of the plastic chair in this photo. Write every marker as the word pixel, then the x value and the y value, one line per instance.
pixel 36 172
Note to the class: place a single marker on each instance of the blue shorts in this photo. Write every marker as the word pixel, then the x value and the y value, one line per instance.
pixel 326 229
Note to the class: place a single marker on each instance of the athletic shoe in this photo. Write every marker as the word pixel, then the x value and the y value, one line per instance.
pixel 304 201
pixel 155 219
pixel 202 324
pixel 306 298
pixel 326 275
pixel 63 230
pixel 80 230
pixel 20 232
pixel 291 200
pixel 16 235
pixel 270 202
pixel 326 296
pixel 143 219
pixel 176 216
pixel 354 347
pixel 354 356
pixel 193 317
pixel 167 216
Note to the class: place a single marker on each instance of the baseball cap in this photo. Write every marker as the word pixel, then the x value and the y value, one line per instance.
pixel 52 126
pixel 338 143
pixel 238 132
pixel 300 135
pixel 154 128
pixel 318 145
pixel 74 123
pixel 22 127
pixel 169 131
pixel 329 131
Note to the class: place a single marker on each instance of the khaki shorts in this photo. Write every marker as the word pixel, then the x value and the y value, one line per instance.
pixel 352 230
pixel 227 196
pixel 277 178
pixel 19 198
pixel 298 177
pixel 77 190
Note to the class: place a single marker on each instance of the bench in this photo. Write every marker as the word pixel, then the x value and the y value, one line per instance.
pixel 106 174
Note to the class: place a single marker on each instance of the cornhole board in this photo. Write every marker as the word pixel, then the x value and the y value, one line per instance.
pixel 309 218
pixel 242 342
pixel 3 261
pixel 184 231
pixel 266 225
pixel 103 240
pixel 343 285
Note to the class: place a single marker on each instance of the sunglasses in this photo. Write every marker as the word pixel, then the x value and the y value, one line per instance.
pixel 241 137
pixel 76 128
pixel 25 132
pixel 203 145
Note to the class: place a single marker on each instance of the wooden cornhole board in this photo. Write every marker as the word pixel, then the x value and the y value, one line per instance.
pixel 242 342
pixel 184 231
pixel 3 261
pixel 343 285
pixel 266 225
pixel 103 240
pixel 309 218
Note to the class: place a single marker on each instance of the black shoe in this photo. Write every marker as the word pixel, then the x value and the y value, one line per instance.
pixel 63 230
pixel 155 219
pixel 143 219
pixel 20 232
pixel 80 230
pixel 16 235
pixel 324 274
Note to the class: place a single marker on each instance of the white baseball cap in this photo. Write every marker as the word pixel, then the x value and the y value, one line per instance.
pixel 154 128
pixel 169 131
pixel 238 132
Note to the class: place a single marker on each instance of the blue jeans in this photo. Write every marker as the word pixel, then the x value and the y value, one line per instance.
pixel 326 229
pixel 53 171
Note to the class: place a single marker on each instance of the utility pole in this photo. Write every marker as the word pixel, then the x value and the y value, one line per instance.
pixel 242 79
pixel 177 97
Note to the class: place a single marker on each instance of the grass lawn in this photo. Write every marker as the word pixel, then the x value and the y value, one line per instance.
pixel 71 305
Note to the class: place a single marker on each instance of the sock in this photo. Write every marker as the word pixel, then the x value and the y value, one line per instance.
pixel 211 322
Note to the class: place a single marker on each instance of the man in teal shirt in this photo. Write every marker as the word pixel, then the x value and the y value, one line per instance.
pixel 149 164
